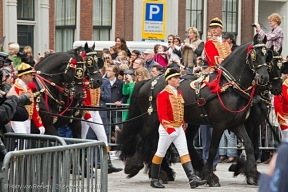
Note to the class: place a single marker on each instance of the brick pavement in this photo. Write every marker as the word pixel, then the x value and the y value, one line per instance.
pixel 140 183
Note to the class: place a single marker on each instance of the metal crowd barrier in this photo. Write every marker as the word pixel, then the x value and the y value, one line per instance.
pixel 53 166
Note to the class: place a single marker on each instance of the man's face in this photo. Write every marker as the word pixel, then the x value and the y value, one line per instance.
pixel 216 30
pixel 137 64
pixel 147 57
pixel 174 81
pixel 154 72
pixel 110 72
pixel 27 78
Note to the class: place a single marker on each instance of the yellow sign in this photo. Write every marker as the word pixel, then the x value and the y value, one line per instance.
pixel 154 20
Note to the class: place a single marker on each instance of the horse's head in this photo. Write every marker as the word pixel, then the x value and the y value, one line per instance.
pixel 73 77
pixel 93 65
pixel 256 59
pixel 274 61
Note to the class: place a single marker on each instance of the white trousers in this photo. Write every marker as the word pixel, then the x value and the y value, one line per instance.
pixel 165 140
pixel 21 126
pixel 99 130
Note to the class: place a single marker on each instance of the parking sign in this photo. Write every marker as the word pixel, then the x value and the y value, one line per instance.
pixel 154 20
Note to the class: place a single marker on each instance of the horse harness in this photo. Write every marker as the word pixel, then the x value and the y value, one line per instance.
pixel 78 69
pixel 232 82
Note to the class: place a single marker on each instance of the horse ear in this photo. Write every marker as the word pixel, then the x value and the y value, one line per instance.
pixel 255 39
pixel 265 39
pixel 280 51
pixel 269 56
pixel 100 63
pixel 86 48
pixel 93 47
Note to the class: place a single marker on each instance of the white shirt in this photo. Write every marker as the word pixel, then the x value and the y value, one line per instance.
pixel 174 90
pixel 219 38
pixel 112 81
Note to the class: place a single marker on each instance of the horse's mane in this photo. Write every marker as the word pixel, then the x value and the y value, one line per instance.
pixel 238 52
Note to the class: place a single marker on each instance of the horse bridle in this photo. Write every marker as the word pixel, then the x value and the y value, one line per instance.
pixel 253 57
pixel 90 59
pixel 279 65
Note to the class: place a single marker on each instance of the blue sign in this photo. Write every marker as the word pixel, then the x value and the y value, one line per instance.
pixel 154 12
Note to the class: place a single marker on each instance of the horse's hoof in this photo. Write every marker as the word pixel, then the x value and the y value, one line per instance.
pixel 214 184
pixel 251 181
pixel 171 179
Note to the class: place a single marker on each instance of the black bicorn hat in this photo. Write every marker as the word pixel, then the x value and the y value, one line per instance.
pixel 285 68
pixel 171 72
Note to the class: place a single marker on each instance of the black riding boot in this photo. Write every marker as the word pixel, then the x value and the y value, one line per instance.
pixel 111 168
pixel 194 181
pixel 155 170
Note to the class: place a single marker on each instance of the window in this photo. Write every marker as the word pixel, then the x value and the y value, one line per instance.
pixel 25 9
pixel 229 16
pixel 65 24
pixel 102 19
pixel 194 14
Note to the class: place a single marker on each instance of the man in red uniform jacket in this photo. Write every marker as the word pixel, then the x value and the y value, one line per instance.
pixel 170 107
pixel 216 49
pixel 23 85
pixel 281 104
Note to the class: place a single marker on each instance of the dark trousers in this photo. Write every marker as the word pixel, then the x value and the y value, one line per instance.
pixel 206 134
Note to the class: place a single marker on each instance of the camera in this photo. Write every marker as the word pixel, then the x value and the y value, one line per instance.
pixel 22 54
pixel 253 25
pixel 169 42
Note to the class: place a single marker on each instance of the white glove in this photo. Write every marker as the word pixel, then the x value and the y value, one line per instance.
pixel 42 130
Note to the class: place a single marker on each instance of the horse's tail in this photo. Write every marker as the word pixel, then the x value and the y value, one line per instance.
pixel 131 128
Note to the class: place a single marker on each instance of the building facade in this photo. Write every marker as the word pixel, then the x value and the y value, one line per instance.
pixel 56 24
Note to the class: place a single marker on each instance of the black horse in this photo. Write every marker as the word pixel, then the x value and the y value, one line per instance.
pixel 60 85
pixel 259 110
pixel 226 109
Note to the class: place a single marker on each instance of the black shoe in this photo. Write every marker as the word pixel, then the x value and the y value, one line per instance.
pixel 195 182
pixel 156 184
pixel 112 169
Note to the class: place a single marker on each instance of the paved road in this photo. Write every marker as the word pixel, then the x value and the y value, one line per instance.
pixel 140 183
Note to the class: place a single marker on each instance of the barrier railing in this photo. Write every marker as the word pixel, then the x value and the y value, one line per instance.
pixel 54 168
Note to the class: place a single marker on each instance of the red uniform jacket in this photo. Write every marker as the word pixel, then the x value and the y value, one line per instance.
pixel 170 108
pixel 32 110
pixel 281 106
pixel 215 51
pixel 92 98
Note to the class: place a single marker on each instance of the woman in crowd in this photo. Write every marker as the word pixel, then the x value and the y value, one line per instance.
pixel 134 55
pixel 120 43
pixel 193 47
pixel 30 60
pixel 127 89
pixel 142 74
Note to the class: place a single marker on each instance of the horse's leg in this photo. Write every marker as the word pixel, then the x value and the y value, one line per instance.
pixel 75 127
pixel 196 158
pixel 207 173
pixel 251 170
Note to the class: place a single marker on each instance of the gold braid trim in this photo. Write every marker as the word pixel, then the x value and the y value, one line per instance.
pixel 95 96
pixel 223 48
